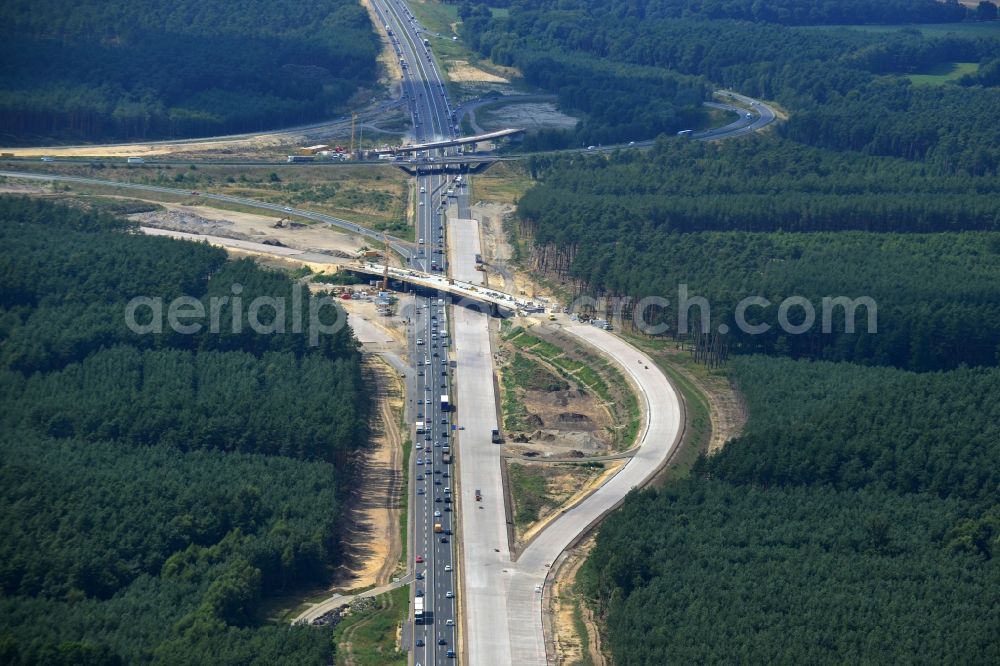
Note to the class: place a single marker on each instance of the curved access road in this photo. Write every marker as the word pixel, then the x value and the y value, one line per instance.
pixel 663 425
pixel 405 248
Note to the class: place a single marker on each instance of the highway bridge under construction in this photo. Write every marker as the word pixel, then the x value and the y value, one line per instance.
pixel 448 143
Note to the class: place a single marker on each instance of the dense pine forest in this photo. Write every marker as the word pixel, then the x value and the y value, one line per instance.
pixel 857 517
pixel 153 69
pixel 845 89
pixel 157 488
pixel 773 218
pixel 856 520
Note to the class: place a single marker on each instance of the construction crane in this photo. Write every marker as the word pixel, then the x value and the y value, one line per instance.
pixel 354 120
pixel 385 262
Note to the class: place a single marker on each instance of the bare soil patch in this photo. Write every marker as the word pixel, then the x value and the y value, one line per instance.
pixel 546 415
pixel 541 490
pixel 251 227
pixel 571 643
pixel 526 115
pixel 372 543
pixel 460 71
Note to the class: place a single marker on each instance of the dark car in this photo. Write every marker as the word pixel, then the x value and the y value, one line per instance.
pixel 442 641
pixel 420 642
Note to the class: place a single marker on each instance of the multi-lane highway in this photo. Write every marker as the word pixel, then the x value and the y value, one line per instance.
pixel 502 599
pixel 433 636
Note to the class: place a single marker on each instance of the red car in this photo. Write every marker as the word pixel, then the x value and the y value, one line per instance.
pixel 420 559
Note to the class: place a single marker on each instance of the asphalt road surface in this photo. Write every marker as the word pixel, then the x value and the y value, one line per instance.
pixel 432 505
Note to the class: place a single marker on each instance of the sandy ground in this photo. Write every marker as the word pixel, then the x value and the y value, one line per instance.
pixel 568 485
pixel 726 408
pixel 497 252
pixel 461 71
pixel 252 227
pixel 372 546
pixel 569 644
pixel 558 422
pixel 376 332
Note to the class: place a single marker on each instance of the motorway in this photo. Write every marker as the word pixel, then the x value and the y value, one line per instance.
pixel 502 599
pixel 433 639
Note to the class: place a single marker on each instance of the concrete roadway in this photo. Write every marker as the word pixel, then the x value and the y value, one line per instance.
pixel 662 432
pixel 486 558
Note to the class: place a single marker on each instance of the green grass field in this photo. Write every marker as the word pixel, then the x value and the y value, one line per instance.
pixel 369 638
pixel 941 75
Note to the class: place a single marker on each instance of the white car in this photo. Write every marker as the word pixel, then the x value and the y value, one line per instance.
pixel 538 588
pixel 423 190
pixel 437 514
pixel 447 567
pixel 450 622
pixel 449 594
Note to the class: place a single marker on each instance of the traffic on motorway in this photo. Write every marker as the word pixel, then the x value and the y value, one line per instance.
pixel 434 602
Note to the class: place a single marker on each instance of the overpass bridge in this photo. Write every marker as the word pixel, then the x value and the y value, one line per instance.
pixel 448 143
pixel 461 293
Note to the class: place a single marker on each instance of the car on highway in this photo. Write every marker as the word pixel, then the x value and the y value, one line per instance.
pixel 437 513
pixel 420 575
pixel 449 594
pixel 450 622
pixel 447 567
pixel 419 559
pixel 287 209
pixel 444 539
pixel 420 642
